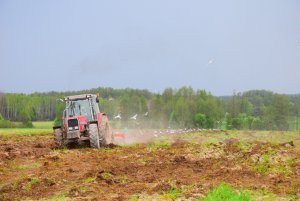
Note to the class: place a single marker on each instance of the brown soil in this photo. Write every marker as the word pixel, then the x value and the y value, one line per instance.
pixel 31 168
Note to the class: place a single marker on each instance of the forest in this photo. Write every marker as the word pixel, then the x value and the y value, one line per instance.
pixel 173 108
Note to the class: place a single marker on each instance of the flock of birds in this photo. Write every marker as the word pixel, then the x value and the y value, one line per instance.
pixel 134 117
pixel 156 133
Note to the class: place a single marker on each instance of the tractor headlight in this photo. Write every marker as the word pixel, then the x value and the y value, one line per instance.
pixel 70 128
pixel 76 127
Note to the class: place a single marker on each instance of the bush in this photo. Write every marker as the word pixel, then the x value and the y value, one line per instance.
pixel 200 120
pixel 224 192
pixel 6 124
pixel 257 124
pixel 203 121
pixel 236 123
pixel 27 124
pixel 57 122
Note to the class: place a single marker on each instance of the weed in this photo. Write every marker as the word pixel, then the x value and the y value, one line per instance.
pixel 59 197
pixel 89 179
pixel 65 150
pixel 224 192
pixel 106 175
pixel 133 145
pixel 15 185
pixel 262 168
pixel 83 189
pixel 123 179
pixel 28 166
pixel 262 194
pixel 173 194
pixel 134 198
pixel 243 146
pixel 157 146
pixel 32 182
pixel 270 163
pixel 142 161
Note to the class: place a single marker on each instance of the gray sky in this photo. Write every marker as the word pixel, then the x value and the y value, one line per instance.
pixel 219 46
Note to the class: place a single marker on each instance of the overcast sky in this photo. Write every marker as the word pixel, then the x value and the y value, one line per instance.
pixel 217 45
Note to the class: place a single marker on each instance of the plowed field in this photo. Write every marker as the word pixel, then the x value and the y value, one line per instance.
pixel 265 164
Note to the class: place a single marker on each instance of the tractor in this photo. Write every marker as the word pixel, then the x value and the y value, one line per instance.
pixel 83 123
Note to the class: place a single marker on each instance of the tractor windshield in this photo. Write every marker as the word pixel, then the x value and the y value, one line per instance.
pixel 82 108
pixel 79 108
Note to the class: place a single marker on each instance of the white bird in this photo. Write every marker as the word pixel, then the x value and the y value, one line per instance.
pixel 134 117
pixel 146 114
pixel 210 61
pixel 118 116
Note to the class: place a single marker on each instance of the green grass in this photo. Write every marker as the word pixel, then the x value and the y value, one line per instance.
pixel 28 166
pixel 134 198
pixel 106 175
pixel 207 137
pixel 31 183
pixel 173 194
pixel 43 124
pixel 58 197
pixel 157 145
pixel 269 164
pixel 24 131
pixel 225 193
pixel 89 179
pixel 83 189
pixel 40 128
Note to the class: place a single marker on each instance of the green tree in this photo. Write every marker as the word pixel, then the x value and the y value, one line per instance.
pixel 280 111
pixel 200 120
pixel 59 109
pixel 296 110
pixel 25 117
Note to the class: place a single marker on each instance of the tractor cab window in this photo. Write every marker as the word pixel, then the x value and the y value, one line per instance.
pixel 80 108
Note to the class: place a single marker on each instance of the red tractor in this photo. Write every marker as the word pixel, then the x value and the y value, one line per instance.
pixel 83 122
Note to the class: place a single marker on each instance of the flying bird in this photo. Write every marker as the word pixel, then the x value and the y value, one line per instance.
pixel 118 116
pixel 134 117
pixel 210 61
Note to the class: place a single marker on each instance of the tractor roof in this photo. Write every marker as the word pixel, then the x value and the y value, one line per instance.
pixel 79 97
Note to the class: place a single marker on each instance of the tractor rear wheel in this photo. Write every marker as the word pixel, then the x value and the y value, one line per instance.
pixel 58 138
pixel 94 136
pixel 106 136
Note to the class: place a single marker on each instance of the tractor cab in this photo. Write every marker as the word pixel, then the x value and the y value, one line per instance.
pixel 80 110
pixel 82 105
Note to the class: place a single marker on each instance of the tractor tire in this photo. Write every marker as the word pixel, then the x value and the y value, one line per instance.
pixel 58 138
pixel 105 133
pixel 94 136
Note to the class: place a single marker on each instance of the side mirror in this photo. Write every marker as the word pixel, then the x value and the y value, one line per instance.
pixel 97 100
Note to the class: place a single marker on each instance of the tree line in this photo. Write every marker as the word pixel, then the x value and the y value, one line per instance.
pixel 174 108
